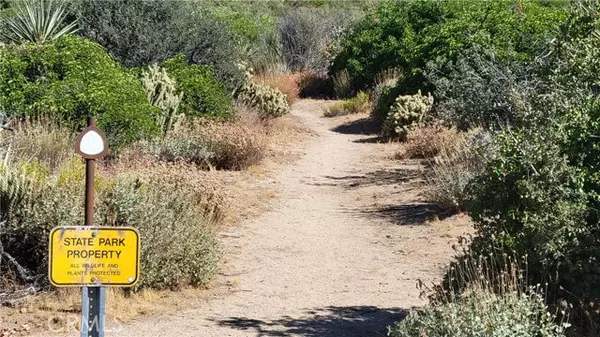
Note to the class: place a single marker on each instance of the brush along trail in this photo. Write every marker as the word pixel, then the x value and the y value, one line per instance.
pixel 339 254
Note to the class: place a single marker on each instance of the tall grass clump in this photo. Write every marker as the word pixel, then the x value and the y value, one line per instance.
pixel 429 141
pixel 488 296
pixel 385 80
pixel 44 141
pixel 454 168
pixel 342 85
pixel 355 105
pixel 233 145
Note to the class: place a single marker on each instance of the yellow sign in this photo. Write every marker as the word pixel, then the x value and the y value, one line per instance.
pixel 91 255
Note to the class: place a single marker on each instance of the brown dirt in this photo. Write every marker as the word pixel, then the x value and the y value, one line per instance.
pixel 339 253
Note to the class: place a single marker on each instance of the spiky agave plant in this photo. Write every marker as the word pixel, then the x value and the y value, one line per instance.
pixel 38 21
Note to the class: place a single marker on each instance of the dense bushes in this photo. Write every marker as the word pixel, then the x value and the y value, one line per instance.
pixel 36 198
pixel 536 194
pixel 203 95
pixel 139 33
pixel 482 313
pixel 408 34
pixel 179 246
pixel 71 79
pixel 478 89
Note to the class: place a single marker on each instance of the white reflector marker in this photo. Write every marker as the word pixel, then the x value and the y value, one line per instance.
pixel 91 143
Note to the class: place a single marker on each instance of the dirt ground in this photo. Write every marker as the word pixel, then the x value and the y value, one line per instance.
pixel 339 252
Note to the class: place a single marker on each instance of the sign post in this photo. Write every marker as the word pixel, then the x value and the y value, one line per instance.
pixel 93 257
pixel 91 145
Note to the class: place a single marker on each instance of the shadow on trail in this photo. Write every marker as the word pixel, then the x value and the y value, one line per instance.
pixel 363 126
pixel 376 178
pixel 330 321
pixel 408 214
pixel 413 213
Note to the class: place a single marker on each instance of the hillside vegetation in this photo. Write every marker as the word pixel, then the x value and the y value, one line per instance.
pixel 180 88
pixel 499 99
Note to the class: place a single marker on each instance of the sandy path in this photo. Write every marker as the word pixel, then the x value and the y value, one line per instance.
pixel 336 256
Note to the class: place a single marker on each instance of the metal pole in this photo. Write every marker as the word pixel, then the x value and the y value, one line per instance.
pixel 93 298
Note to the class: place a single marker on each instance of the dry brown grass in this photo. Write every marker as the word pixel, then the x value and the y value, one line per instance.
pixel 236 146
pixel 211 197
pixel 233 145
pixel 286 83
pixel 455 166
pixel 59 310
pixel 41 140
pixel 429 141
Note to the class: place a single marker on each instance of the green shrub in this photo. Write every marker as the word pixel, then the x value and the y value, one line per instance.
pixel 481 313
pixel 71 79
pixel 249 21
pixel 270 102
pixel 406 113
pixel 140 33
pixel 179 147
pixel 179 247
pixel 359 104
pixel 479 89
pixel 409 34
pixel 530 199
pixel 203 95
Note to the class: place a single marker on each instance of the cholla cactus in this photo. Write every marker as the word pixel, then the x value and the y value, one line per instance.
pixel 270 102
pixel 162 93
pixel 406 113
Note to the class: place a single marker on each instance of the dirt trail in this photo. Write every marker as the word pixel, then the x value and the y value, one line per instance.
pixel 338 255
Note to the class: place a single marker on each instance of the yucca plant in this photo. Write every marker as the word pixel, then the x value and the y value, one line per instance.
pixel 38 21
